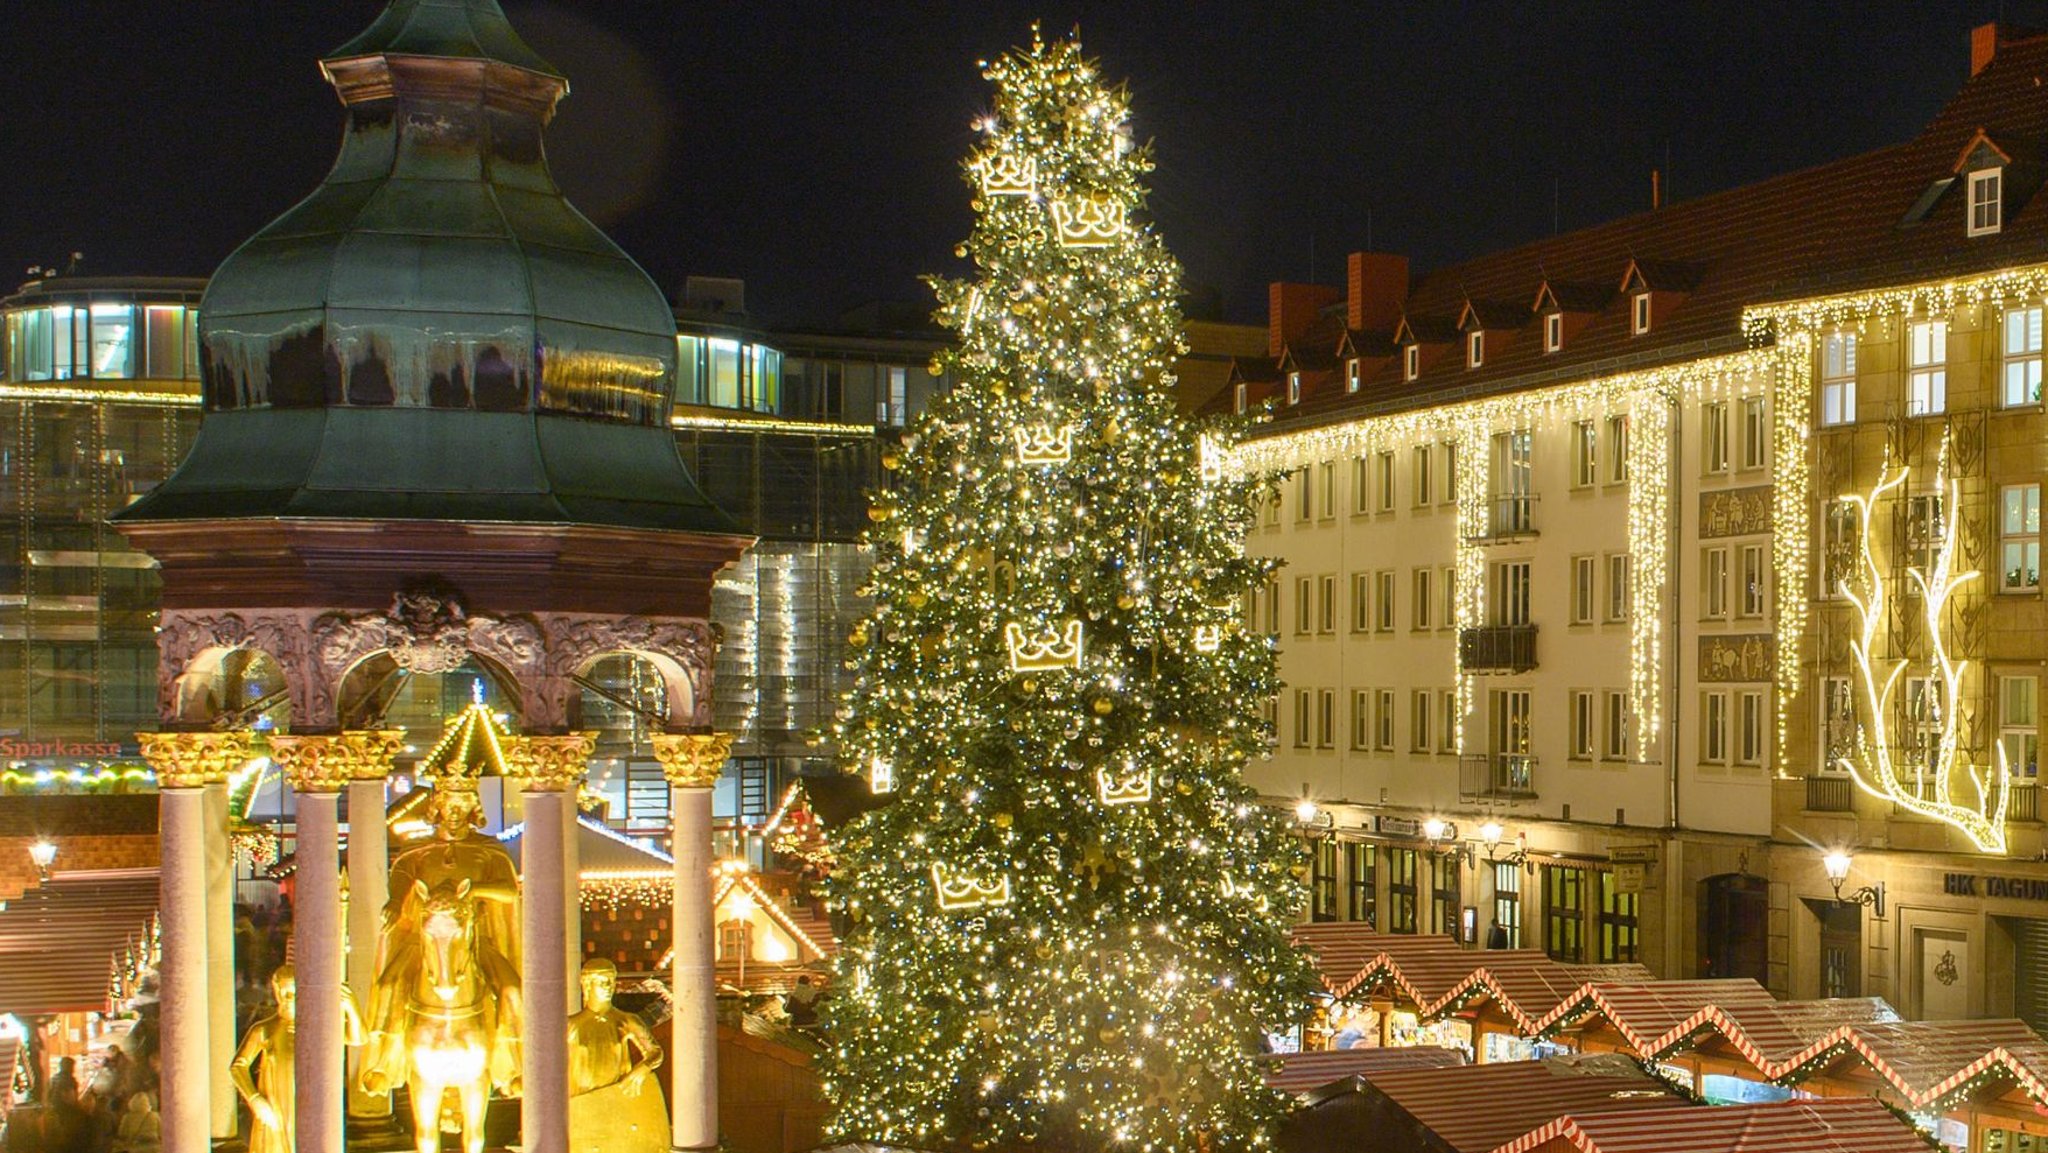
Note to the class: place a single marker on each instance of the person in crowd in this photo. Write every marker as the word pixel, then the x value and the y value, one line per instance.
pixel 140 1130
pixel 801 1003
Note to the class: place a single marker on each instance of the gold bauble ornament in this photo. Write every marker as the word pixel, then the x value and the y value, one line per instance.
pixel 1103 706
pixel 1028 685
pixel 1126 601
pixel 915 599
pixel 1106 1034
pixel 878 514
pixel 892 460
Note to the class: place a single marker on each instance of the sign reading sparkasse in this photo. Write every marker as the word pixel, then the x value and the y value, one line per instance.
pixel 20 749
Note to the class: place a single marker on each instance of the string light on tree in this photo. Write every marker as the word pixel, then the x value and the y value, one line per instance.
pixel 1070 918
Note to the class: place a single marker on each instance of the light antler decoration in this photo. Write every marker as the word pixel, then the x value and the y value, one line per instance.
pixel 1983 821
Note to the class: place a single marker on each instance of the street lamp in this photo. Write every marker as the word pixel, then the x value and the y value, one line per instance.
pixel 1837 865
pixel 1311 820
pixel 1437 833
pixel 1491 834
pixel 44 854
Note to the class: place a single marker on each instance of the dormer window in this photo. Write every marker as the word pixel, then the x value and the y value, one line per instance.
pixel 1351 375
pixel 1294 388
pixel 1411 362
pixel 1639 307
pixel 1553 332
pixel 1242 396
pixel 1986 201
pixel 1475 349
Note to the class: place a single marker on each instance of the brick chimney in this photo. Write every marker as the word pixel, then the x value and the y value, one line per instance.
pixel 1290 309
pixel 1379 287
pixel 1983 46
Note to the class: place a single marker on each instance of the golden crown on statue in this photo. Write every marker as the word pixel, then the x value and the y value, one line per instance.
pixel 1088 223
pixel 1044 444
pixel 958 891
pixel 1005 175
pixel 1056 649
pixel 1131 788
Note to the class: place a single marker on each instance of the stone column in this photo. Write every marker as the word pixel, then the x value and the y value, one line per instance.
pixel 318 768
pixel 220 958
pixel 692 763
pixel 185 763
pixel 551 766
pixel 369 871
pixel 572 897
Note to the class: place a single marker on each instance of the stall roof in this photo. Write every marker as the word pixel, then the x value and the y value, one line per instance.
pixel 58 940
pixel 1299 1073
pixel 1843 1125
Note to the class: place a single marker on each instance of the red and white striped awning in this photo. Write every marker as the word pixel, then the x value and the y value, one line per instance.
pixel 1298 1073
pixel 1839 1125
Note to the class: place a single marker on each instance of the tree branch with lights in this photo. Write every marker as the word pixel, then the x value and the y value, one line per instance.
pixel 1980 817
pixel 1069 926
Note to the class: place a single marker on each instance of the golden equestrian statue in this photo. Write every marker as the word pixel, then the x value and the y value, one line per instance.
pixel 445 1008
pixel 264 1065
pixel 615 1103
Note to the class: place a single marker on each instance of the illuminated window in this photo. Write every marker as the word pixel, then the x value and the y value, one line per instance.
pixel 1640 310
pixel 1838 378
pixel 1714 436
pixel 1507 901
pixel 1351 375
pixel 1400 890
pixel 113 341
pixel 1475 349
pixel 1620 927
pixel 1553 332
pixel 1581 725
pixel 1584 594
pixel 1585 454
pixel 169 331
pixel 1358 866
pixel 1510 598
pixel 1411 362
pixel 1986 205
pixel 1923 531
pixel 1923 707
pixel 1927 367
pixel 1756 433
pixel 2022 347
pixel 1614 746
pixel 1514 482
pixel 2019 724
pixel 1242 396
pixel 2019 537
pixel 1564 911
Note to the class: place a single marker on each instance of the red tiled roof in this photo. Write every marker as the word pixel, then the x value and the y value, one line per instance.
pixel 1479 1107
pixel 1843 1125
pixel 58 940
pixel 1301 1072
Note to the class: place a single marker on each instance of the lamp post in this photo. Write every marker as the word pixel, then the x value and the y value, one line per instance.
pixel 44 854
pixel 1491 834
pixel 1837 865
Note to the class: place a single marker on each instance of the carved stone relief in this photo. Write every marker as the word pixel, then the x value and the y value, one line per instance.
pixel 1738 658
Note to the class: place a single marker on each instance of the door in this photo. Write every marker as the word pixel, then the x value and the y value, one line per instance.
pixel 1734 908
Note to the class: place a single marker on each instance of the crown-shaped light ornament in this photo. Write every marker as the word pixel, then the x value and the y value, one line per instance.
pixel 1088 222
pixel 1003 174
pixel 1132 786
pixel 1208 638
pixel 1039 444
pixel 958 890
pixel 1057 648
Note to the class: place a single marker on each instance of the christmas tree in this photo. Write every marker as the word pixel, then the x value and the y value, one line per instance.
pixel 1070 923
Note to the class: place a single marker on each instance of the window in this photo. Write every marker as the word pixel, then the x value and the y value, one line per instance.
pixel 1450 598
pixel 1271 713
pixel 1584 570
pixel 1304 496
pixel 1326 604
pixel 1383 737
pixel 1383 593
pixel 1419 476
pixel 1514 482
pixel 1322 881
pixel 1447 896
pixel 1411 362
pixel 1301 718
pixel 1713 583
pixel 733 940
pixel 1511 726
pixel 1838 378
pixel 1272 501
pixel 1714 436
pixel 1564 911
pixel 1447 451
pixel 1400 891
pixel 1273 607
pixel 1420 710
pixel 1553 332
pixel 1620 932
pixel 1304 605
pixel 2019 537
pixel 1585 454
pixel 1386 478
pixel 1749 728
pixel 1361 718
pixel 1756 433
pixel 1475 349
pixel 1755 598
pixel 1511 593
pixel 1294 388
pixel 1361 602
pixel 1923 709
pixel 1424 580
pixel 1986 205
pixel 1359 858
pixel 1617 449
pixel 2019 725
pixel 1351 375
pixel 1927 367
pixel 1326 719
pixel 1614 746
pixel 1640 312
pixel 1361 487
pixel 1837 724
pixel 1582 725
pixel 1714 727
pixel 1841 536
pixel 2023 356
pixel 1507 900
pixel 1447 733
pixel 1326 478
pixel 895 406
pixel 1242 396
pixel 1923 532
pixel 1617 586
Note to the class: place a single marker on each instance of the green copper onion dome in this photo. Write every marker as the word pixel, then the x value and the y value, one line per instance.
pixel 435 333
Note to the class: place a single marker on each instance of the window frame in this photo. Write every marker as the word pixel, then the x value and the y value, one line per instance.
pixel 1620 916
pixel 1585 589
pixel 1424 580
pixel 1714 456
pixel 1361 601
pixel 2027 541
pixel 1383 596
pixel 1421 711
pixel 1926 367
pixel 1419 465
pixel 1243 395
pixel 1326 718
pixel 1401 915
pixel 1302 718
pixel 2026 732
pixel 1837 392
pixel 1714 744
pixel 1385 469
pixel 1620 573
pixel 1986 213
pixel 1714 571
pixel 1361 872
pixel 1447 733
pixel 1754 576
pixel 1304 606
pixel 1361 720
pixel 1383 722
pixel 1751 728
pixel 1617 448
pixel 1352 377
pixel 1564 913
pixel 1639 314
pixel 1585 454
pixel 1326 490
pixel 1326 604
pixel 1614 726
pixel 1756 435
pixel 1553 331
pixel 1475 348
pixel 1411 361
pixel 1294 387
pixel 1507 900
pixel 2027 358
pixel 1580 726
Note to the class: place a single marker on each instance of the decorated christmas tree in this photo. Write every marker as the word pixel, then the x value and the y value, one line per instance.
pixel 1070 923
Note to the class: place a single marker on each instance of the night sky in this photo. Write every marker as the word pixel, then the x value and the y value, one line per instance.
pixel 813 148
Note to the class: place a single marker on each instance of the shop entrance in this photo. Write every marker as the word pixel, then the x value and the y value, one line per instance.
pixel 1734 908
pixel 2030 970
pixel 1841 947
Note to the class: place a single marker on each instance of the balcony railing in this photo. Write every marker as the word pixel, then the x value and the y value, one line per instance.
pixel 1835 794
pixel 1497 649
pixel 2025 802
pixel 1497 775
pixel 1509 515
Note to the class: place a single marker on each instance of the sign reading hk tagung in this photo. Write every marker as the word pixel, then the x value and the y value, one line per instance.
pixel 2010 888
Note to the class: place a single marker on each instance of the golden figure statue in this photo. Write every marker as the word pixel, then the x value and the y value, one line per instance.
pixel 615 1102
pixel 264 1065
pixel 445 1008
